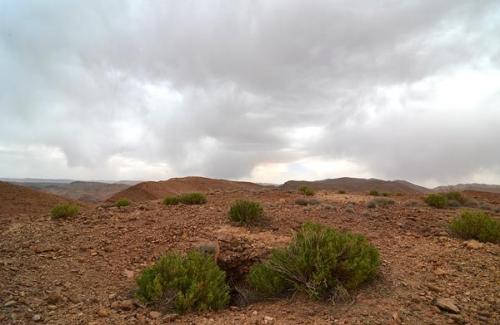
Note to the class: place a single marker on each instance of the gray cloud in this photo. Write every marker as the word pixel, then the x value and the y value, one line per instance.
pixel 119 88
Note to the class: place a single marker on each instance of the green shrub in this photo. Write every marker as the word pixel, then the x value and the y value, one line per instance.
pixel 306 191
pixel 193 198
pixel 246 212
pixel 456 196
pixel 122 203
pixel 380 202
pixel 184 283
pixel 341 192
pixel 476 225
pixel 171 200
pixel 436 200
pixel 374 193
pixel 187 198
pixel 65 210
pixel 319 261
pixel 386 194
pixel 302 201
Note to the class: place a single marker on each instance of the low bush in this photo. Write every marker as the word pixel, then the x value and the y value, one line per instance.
pixel 65 210
pixel 319 261
pixel 122 203
pixel 302 201
pixel 380 202
pixel 246 212
pixel 184 283
pixel 306 191
pixel 187 198
pixel 476 225
pixel 436 200
pixel 341 192
pixel 374 193
pixel 193 198
pixel 456 196
pixel 386 194
pixel 171 200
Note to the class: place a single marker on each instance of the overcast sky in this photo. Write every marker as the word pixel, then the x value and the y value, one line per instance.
pixel 257 90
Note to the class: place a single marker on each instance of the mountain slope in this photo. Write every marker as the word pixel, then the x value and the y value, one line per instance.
pixel 358 185
pixel 157 190
pixel 469 187
pixel 15 199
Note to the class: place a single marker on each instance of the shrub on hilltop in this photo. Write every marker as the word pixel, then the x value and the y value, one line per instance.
pixel 171 200
pixel 122 203
pixel 184 283
pixel 306 190
pixel 193 198
pixel 476 225
pixel 65 210
pixel 319 261
pixel 436 200
pixel 246 212
pixel 187 198
pixel 380 202
pixel 457 197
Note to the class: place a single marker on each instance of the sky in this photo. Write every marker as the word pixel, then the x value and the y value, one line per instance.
pixel 264 91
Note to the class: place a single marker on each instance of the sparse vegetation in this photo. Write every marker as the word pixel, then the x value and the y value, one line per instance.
pixel 184 283
pixel 306 191
pixel 122 203
pixel 380 202
pixel 246 212
pixel 171 200
pixel 319 261
pixel 65 210
pixel 436 200
pixel 193 198
pixel 187 198
pixel 374 193
pixel 476 225
pixel 302 201
pixel 456 196
pixel 341 192
pixel 386 194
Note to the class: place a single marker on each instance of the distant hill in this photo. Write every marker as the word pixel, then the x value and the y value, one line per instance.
pixel 85 191
pixel 350 184
pixel 469 187
pixel 157 190
pixel 16 199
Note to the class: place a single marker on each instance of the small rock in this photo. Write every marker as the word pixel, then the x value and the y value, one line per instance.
pixel 129 274
pixel 53 298
pixel 473 244
pixel 268 320
pixel 103 312
pixel 447 304
pixel 170 317
pixel 9 303
pixel 155 314
pixel 112 296
pixel 123 305
pixel 36 318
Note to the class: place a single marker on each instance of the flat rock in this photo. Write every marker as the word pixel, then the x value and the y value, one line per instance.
pixel 447 304
pixel 473 244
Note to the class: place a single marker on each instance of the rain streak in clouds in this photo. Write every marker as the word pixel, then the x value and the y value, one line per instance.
pixel 256 90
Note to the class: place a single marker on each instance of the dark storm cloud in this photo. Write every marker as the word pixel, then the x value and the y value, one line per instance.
pixel 216 88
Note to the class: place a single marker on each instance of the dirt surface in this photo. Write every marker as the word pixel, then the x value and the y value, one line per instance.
pixel 158 190
pixel 82 270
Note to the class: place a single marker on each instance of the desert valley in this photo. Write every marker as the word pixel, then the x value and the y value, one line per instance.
pixel 83 269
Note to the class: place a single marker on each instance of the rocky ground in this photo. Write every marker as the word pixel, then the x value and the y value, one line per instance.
pixel 82 270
